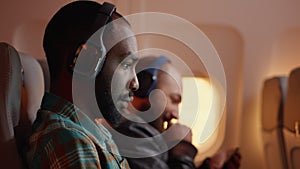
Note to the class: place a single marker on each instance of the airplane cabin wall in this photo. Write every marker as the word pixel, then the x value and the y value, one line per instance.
pixel 269 31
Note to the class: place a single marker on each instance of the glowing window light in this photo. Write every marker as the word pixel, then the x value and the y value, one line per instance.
pixel 196 105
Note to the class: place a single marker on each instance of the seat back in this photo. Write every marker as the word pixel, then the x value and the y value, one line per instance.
pixel 21 97
pixel 46 72
pixel 10 104
pixel 34 87
pixel 273 96
pixel 292 119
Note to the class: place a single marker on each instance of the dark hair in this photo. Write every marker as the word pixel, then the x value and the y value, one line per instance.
pixel 70 27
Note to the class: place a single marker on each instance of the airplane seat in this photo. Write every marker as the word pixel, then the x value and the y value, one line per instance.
pixel 21 96
pixel 291 120
pixel 10 105
pixel 33 88
pixel 273 96
pixel 46 72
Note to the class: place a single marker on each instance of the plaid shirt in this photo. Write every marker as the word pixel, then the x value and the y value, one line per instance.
pixel 63 137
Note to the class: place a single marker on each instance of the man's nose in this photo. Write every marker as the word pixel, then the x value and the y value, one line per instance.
pixel 134 84
pixel 174 114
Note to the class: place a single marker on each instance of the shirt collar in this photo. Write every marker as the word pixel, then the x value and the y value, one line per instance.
pixel 54 103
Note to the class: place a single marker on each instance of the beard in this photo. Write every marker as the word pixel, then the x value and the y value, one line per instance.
pixel 105 102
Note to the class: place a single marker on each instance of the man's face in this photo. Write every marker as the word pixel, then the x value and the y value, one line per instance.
pixel 117 79
pixel 169 82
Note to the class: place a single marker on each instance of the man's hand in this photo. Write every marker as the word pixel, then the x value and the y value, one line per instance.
pixel 228 159
pixel 183 136
pixel 178 132
pixel 234 160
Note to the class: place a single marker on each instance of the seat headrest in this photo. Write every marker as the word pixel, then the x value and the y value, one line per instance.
pixel 46 72
pixel 10 102
pixel 292 106
pixel 21 92
pixel 33 86
pixel 10 89
pixel 273 96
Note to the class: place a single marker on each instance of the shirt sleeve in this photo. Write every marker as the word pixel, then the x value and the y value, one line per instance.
pixel 68 148
pixel 182 155
pixel 205 164
pixel 160 161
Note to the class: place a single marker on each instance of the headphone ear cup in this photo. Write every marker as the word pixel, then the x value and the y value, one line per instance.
pixel 146 84
pixel 93 56
pixel 148 77
pixel 88 60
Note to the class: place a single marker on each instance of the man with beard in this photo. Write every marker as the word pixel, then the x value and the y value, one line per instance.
pixel 80 52
pixel 155 103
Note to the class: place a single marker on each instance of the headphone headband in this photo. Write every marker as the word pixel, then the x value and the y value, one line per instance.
pixel 158 62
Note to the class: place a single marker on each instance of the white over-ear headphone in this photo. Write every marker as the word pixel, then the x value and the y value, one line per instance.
pixel 94 54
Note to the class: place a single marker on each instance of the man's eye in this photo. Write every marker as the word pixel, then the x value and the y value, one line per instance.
pixel 125 65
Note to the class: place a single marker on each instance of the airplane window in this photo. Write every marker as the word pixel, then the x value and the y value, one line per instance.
pixel 201 101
